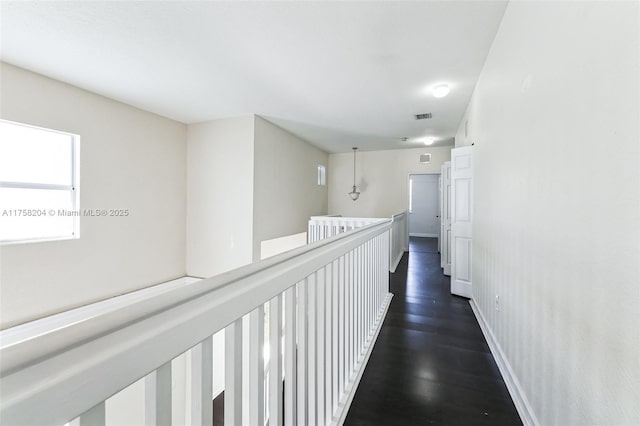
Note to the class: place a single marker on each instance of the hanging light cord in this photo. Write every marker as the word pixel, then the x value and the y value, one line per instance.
pixel 354 168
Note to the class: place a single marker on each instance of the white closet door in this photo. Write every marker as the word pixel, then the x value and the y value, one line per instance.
pixel 461 220
pixel 440 234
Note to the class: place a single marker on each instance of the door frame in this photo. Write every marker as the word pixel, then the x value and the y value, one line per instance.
pixel 445 231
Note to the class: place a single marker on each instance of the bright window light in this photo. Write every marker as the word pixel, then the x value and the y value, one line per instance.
pixel 38 184
pixel 322 175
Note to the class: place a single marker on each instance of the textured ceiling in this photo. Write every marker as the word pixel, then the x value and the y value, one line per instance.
pixel 338 74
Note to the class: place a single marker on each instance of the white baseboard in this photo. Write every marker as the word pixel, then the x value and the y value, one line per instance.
pixel 513 385
pixel 350 392
pixel 421 234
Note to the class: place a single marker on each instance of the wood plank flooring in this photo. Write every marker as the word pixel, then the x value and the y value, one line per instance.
pixel 431 364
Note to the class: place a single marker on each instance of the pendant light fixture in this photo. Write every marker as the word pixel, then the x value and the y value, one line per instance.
pixel 354 194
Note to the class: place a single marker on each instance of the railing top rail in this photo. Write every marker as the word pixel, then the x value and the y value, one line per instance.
pixel 347 219
pixel 398 214
pixel 123 345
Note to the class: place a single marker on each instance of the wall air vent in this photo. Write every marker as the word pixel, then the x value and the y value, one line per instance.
pixel 423 116
pixel 425 158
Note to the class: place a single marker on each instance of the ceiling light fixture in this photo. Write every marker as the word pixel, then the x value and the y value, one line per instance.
pixel 429 141
pixel 440 91
pixel 354 194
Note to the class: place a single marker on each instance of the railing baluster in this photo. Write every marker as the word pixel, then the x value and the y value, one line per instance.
pixel 93 417
pixel 382 271
pixel 374 282
pixel 363 265
pixel 356 304
pixel 302 367
pixel 379 271
pixel 312 355
pixel 361 296
pixel 367 292
pixel 328 342
pixel 384 262
pixel 385 278
pixel 369 287
pixel 374 285
pixel 202 383
pixel 373 268
pixel 341 326
pixel 233 374
pixel 352 312
pixel 157 386
pixel 320 348
pixel 334 335
pixel 347 301
pixel 256 366
pixel 374 276
pixel 365 299
pixel 275 361
pixel 290 373
pixel 345 321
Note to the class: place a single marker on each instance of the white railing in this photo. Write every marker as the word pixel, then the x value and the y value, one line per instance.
pixel 329 297
pixel 321 227
pixel 399 239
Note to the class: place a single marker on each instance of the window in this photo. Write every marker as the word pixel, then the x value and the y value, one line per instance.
pixel 38 184
pixel 322 175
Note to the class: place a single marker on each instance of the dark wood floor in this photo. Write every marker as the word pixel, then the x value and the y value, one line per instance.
pixel 431 363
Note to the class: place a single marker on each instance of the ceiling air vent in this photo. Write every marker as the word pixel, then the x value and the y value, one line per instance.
pixel 423 116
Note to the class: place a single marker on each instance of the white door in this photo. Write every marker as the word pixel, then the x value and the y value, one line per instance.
pixel 461 219
pixel 445 214
pixel 423 209
pixel 440 217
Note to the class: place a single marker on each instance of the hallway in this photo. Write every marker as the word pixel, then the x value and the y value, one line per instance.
pixel 430 364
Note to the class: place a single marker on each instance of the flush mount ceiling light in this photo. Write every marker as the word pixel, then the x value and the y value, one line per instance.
pixel 440 91
pixel 354 194
pixel 429 141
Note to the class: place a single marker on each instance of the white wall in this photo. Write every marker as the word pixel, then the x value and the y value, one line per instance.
pixel 382 177
pixel 130 159
pixel 269 248
pixel 286 190
pixel 554 119
pixel 220 195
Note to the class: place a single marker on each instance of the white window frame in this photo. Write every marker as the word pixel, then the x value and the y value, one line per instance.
pixel 74 188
